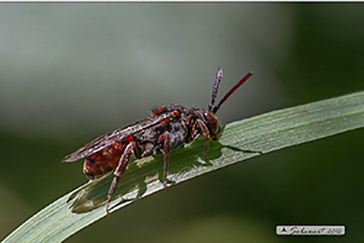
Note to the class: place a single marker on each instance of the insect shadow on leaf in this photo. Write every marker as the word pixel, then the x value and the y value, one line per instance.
pixel 146 172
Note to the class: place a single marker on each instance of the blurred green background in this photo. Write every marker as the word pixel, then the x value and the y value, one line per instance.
pixel 70 72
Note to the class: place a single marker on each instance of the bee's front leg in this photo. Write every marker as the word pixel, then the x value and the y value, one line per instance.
pixel 204 131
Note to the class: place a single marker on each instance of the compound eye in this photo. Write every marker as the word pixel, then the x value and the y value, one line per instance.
pixel 212 124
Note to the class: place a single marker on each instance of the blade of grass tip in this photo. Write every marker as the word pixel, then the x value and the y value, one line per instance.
pixel 263 134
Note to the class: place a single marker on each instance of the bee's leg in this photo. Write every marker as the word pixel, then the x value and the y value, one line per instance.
pixel 167 147
pixel 123 162
pixel 204 131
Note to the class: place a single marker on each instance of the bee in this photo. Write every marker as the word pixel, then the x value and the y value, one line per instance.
pixel 168 127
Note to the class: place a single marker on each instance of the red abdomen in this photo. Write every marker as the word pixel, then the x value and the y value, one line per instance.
pixel 104 160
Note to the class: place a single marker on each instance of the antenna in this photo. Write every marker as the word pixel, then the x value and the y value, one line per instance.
pixel 213 108
pixel 219 75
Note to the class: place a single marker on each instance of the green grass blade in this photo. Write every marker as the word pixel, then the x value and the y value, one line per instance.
pixel 240 140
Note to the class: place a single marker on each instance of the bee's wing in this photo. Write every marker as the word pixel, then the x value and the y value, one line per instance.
pixel 120 134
